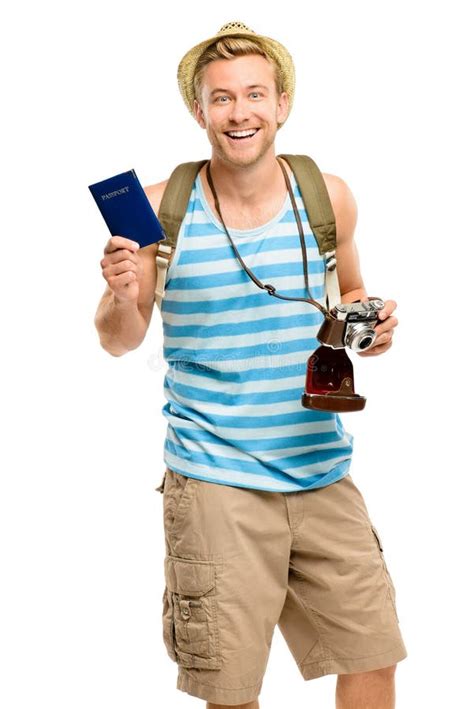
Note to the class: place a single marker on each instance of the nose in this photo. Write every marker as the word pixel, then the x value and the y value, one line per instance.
pixel 240 110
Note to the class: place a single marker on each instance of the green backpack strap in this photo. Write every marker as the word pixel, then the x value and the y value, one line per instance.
pixel 175 198
pixel 316 200
pixel 171 214
pixel 321 219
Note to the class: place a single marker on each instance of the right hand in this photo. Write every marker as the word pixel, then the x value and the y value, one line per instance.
pixel 122 267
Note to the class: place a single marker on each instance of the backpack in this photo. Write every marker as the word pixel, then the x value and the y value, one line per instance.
pixel 315 198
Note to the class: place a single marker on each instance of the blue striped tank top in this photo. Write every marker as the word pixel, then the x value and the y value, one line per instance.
pixel 237 356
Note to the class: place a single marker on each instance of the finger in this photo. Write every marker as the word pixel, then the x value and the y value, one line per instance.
pixel 384 337
pixel 120 242
pixel 383 348
pixel 388 308
pixel 119 255
pixel 388 324
pixel 121 267
pixel 375 350
pixel 122 279
pixel 381 340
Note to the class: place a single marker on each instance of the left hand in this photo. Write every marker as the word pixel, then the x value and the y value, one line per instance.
pixel 384 331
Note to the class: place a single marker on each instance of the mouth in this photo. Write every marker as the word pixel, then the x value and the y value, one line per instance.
pixel 242 136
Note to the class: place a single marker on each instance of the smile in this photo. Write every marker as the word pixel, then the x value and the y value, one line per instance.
pixel 244 136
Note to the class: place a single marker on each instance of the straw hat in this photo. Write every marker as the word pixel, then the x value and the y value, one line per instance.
pixel 274 49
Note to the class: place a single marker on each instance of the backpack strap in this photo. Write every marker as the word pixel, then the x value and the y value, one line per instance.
pixel 321 218
pixel 171 214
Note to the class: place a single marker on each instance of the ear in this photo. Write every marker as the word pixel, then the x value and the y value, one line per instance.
pixel 198 114
pixel 282 109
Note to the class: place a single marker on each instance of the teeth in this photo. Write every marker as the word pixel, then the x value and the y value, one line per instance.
pixel 241 133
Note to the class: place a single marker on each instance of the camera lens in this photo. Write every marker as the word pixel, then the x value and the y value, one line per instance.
pixel 365 342
pixel 359 336
pixel 355 334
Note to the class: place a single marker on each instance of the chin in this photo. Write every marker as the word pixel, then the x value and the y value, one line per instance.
pixel 244 159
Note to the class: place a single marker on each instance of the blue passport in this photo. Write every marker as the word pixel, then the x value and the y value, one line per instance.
pixel 126 209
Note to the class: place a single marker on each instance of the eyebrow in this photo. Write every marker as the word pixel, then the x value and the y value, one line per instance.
pixel 253 86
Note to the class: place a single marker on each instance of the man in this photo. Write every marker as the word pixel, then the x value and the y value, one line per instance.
pixel 263 523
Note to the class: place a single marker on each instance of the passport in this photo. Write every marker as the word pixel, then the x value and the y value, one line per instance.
pixel 126 209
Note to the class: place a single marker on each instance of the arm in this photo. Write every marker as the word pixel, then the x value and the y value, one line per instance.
pixel 122 325
pixel 351 284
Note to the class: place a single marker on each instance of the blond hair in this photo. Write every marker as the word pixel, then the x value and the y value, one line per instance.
pixel 229 48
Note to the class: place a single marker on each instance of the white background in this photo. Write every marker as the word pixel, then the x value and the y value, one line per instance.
pixel 382 100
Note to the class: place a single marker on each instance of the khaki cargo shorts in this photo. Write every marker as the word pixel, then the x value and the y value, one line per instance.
pixel 240 561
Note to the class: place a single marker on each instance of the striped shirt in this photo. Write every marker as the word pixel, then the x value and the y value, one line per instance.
pixel 237 356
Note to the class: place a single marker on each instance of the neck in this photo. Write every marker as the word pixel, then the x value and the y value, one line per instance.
pixel 247 185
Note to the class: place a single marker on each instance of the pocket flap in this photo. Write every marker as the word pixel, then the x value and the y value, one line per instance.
pixel 189 577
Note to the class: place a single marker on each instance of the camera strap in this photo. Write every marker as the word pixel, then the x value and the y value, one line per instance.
pixel 331 280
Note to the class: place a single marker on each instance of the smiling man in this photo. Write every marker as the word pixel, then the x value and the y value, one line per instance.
pixel 263 523
pixel 240 116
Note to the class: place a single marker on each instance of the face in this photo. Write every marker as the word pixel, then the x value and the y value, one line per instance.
pixel 240 95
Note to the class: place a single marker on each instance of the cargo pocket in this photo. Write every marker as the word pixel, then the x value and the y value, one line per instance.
pixel 178 493
pixel 190 627
pixel 168 625
pixel 391 586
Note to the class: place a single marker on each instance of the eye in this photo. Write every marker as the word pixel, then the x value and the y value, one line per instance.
pixel 256 93
pixel 218 99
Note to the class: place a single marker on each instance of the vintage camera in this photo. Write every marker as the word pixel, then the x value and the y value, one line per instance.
pixel 329 375
pixel 352 326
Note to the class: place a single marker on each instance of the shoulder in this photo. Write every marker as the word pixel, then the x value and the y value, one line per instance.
pixel 343 204
pixel 340 193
